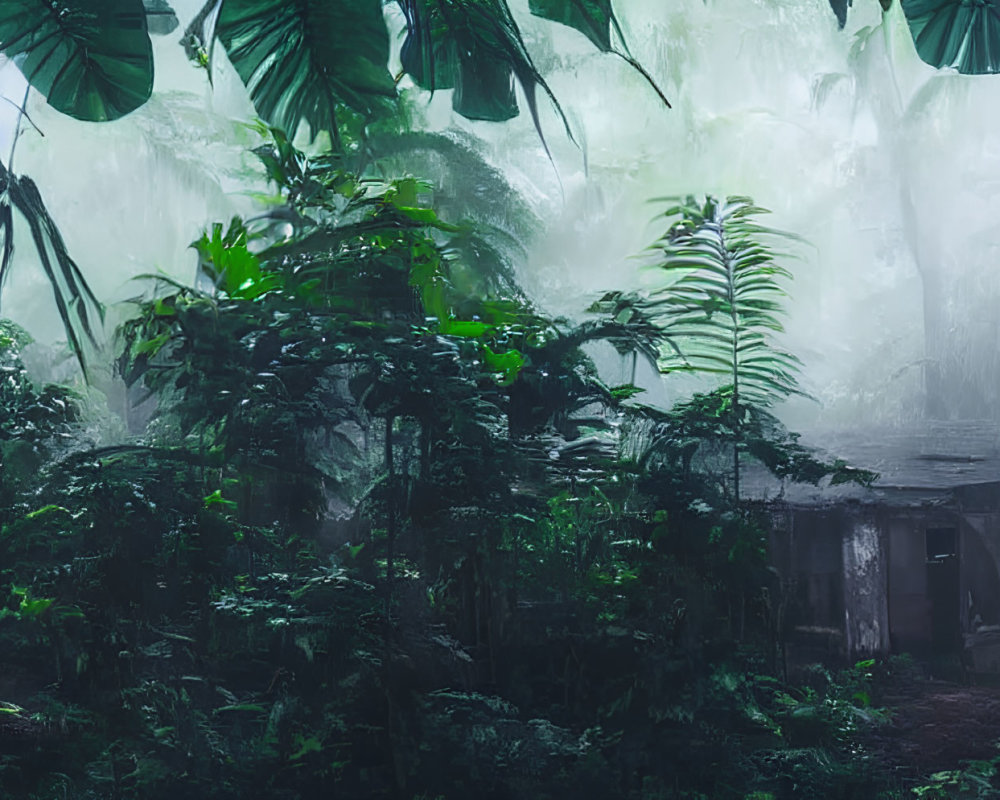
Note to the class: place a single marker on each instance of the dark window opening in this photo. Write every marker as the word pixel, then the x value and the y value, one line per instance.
pixel 941 544
pixel 943 589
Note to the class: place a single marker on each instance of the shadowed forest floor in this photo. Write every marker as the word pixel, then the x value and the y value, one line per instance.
pixel 936 725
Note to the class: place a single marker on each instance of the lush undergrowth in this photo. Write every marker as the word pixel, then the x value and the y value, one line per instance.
pixel 379 527
pixel 156 647
pixel 388 534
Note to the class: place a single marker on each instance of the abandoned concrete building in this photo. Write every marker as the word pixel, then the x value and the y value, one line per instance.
pixel 909 565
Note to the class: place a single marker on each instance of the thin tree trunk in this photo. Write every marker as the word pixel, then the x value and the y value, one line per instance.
pixel 390 502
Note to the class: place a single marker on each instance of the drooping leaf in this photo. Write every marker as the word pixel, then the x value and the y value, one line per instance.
pixel 840 9
pixel 956 33
pixel 79 309
pixel 484 90
pixel 92 59
pixel 476 47
pixel 301 58
pixel 427 56
pixel 596 20
pixel 593 18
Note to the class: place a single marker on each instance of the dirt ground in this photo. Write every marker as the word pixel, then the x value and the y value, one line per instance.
pixel 936 726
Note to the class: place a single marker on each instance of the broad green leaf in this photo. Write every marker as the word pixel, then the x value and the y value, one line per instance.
pixel 152 346
pixel 226 259
pixel 465 328
pixel 92 59
pixel 593 18
pixel 216 500
pixel 507 364
pixel 956 33
pixel 305 746
pixel 300 59
pixel 625 391
pixel 34 607
pixel 48 509
pixel 476 47
pixel 249 707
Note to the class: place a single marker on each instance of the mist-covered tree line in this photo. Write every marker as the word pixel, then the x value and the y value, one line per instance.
pixel 388 531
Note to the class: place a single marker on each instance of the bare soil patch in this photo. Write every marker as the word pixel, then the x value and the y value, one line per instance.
pixel 936 726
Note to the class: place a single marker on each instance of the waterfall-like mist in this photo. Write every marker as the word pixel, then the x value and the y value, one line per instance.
pixel 886 166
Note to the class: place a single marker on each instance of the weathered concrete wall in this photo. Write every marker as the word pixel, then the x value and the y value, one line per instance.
pixel 866 607
pixel 874 579
pixel 980 569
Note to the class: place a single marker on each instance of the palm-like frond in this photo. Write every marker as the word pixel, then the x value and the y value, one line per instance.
pixel 628 326
pixel 670 441
pixel 92 59
pixel 725 301
pixel 497 221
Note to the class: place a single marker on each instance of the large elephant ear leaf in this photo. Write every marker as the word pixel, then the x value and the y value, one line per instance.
pixel 301 58
pixel 956 33
pixel 92 59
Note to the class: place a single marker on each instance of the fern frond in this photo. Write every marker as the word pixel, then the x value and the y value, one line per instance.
pixel 726 300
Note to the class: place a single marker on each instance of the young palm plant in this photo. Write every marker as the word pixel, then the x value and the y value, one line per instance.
pixel 723 308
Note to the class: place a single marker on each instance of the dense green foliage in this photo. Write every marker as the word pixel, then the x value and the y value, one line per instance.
pixel 391 536
pixel 382 530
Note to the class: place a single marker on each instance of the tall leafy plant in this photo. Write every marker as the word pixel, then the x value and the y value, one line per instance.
pixel 723 307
